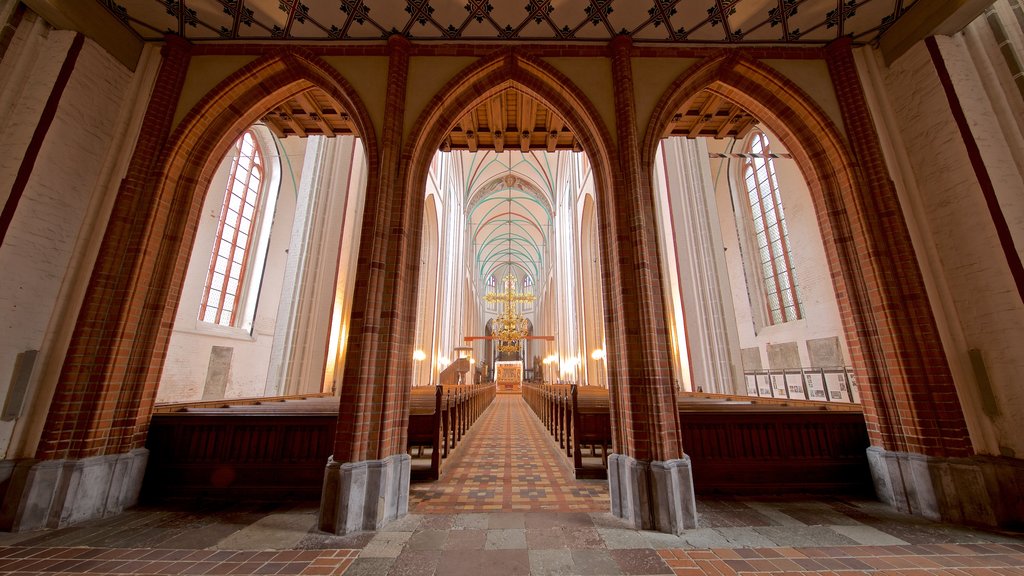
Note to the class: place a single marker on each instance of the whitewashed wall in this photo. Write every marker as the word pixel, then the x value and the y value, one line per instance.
pixel 976 304
pixel 817 293
pixel 185 370
pixel 62 212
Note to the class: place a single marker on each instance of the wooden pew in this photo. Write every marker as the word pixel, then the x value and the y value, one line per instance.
pixel 274 450
pixel 763 449
pixel 591 425
pixel 425 425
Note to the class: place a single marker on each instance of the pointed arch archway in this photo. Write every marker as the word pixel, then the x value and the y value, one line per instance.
pixel 507 69
pixel 120 340
pixel 886 317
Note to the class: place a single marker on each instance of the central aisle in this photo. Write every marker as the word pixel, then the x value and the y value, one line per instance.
pixel 508 462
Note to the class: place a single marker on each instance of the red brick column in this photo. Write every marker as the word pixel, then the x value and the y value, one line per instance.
pixel 650 482
pixel 912 403
pixel 648 418
pixel 921 453
pixel 104 384
pixel 369 465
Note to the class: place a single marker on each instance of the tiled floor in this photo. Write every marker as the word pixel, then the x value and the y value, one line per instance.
pixel 508 462
pixel 833 537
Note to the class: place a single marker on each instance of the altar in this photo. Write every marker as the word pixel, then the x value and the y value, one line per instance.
pixel 508 377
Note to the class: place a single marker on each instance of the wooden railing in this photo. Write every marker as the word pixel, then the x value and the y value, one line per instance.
pixel 737 445
pixel 165 407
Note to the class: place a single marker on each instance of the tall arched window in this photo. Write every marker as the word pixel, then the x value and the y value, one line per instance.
pixel 235 231
pixel 771 237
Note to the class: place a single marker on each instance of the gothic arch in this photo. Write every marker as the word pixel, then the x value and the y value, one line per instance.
pixel 837 191
pixel 482 80
pixel 240 99
pixel 162 237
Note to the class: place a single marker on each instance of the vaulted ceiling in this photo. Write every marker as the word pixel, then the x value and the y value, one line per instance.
pixel 510 215
pixel 667 21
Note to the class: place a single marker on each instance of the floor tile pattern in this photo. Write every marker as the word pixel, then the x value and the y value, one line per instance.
pixel 508 462
pixel 911 560
pixel 30 561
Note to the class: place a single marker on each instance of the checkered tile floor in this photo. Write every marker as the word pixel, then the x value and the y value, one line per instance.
pixel 508 462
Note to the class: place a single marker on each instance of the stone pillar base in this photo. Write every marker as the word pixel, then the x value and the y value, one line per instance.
pixel 364 495
pixel 980 490
pixel 653 495
pixel 56 493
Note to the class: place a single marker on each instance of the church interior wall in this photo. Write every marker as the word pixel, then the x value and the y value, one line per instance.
pixel 309 316
pixel 594 77
pixel 45 251
pixel 976 302
pixel 185 372
pixel 426 309
pixel 347 268
pixel 812 76
pixel 655 75
pixel 367 75
pixel 1004 89
pixel 821 319
pixel 675 322
pixel 204 73
pixel 427 75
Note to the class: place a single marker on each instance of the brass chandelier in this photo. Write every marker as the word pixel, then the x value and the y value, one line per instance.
pixel 511 325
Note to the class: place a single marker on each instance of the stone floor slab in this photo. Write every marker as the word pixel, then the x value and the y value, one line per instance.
pixel 504 539
pixel 616 538
pixel 272 532
pixel 867 535
pixel 551 563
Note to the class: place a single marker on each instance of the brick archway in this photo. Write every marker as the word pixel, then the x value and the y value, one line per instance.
pixel 503 70
pixel 906 386
pixel 113 366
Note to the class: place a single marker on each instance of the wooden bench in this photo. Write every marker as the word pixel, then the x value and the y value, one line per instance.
pixel 591 426
pixel 425 414
pixel 273 450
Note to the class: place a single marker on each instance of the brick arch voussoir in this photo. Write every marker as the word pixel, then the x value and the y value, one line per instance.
pixel 241 98
pixel 827 164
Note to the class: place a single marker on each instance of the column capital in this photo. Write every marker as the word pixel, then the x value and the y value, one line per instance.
pixel 839 47
pixel 397 42
pixel 175 46
pixel 620 43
